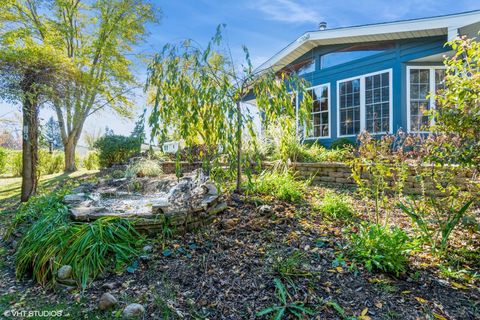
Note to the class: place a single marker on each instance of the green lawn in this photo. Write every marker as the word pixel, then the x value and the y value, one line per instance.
pixel 10 186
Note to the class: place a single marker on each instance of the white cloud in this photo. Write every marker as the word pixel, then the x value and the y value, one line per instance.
pixel 287 11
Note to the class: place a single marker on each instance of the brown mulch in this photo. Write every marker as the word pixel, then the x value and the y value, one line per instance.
pixel 226 271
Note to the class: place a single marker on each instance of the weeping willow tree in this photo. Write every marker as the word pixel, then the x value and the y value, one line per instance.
pixel 199 94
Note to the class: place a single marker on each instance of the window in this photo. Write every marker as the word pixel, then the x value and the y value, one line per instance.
pixel 320 112
pixel 365 102
pixel 349 96
pixel 308 67
pixel 377 103
pixel 421 81
pixel 353 53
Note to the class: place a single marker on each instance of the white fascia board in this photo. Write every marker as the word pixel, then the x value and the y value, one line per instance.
pixel 451 24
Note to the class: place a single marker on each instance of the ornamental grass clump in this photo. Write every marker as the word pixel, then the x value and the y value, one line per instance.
pixel 52 241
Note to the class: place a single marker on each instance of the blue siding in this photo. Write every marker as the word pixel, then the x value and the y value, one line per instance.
pixel 396 59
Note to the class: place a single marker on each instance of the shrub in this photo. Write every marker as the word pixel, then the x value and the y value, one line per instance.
pixel 3 160
pixel 114 149
pixel 14 166
pixel 50 163
pixel 380 247
pixel 282 185
pixel 91 161
pixel 144 168
pixel 342 143
pixel 336 206
pixel 53 240
pixel 118 174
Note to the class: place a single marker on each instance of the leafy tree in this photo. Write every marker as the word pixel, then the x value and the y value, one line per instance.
pixel 457 118
pixel 50 135
pixel 198 93
pixel 32 75
pixel 98 37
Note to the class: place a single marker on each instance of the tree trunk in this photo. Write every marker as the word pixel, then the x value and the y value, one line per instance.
pixel 30 146
pixel 70 165
pixel 239 147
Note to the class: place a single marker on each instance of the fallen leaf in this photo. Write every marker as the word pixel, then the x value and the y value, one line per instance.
pixel 421 300
pixel 458 285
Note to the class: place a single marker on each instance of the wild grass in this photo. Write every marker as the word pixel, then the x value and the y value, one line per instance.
pixel 282 185
pixel 336 206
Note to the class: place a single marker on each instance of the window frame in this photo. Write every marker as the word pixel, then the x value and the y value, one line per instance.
pixel 431 84
pixel 363 119
pixel 329 97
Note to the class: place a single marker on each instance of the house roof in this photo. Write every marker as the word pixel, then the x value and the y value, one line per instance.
pixel 446 25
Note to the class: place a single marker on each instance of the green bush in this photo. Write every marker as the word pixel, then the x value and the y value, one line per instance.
pixel 118 174
pixel 50 163
pixel 115 149
pixel 144 168
pixel 53 240
pixel 336 206
pixel 14 166
pixel 91 161
pixel 282 185
pixel 3 160
pixel 380 248
pixel 342 143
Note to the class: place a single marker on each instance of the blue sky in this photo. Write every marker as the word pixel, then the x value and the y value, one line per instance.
pixel 265 27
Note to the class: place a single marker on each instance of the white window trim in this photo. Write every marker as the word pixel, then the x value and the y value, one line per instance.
pixel 329 114
pixel 363 104
pixel 432 98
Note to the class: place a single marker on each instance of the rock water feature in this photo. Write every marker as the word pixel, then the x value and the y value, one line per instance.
pixel 152 204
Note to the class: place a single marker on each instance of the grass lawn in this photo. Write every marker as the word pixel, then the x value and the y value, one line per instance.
pixel 10 186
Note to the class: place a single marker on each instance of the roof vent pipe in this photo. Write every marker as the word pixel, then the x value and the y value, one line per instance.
pixel 322 26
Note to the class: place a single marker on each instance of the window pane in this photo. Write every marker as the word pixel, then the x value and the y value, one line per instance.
pixel 419 104
pixel 378 109
pixel 350 110
pixel 320 111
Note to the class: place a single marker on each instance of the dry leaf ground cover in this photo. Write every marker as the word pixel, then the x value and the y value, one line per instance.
pixel 227 271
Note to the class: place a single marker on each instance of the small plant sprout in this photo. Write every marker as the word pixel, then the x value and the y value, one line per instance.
pixel 285 306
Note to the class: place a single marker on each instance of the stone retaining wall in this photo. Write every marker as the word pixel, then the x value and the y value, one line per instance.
pixel 340 173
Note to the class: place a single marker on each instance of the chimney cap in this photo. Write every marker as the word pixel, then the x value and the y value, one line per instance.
pixel 322 26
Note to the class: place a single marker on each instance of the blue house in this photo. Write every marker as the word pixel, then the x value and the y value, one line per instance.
pixel 374 77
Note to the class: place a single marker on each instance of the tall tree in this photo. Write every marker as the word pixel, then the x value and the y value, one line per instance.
pixel 98 37
pixel 31 75
pixel 199 93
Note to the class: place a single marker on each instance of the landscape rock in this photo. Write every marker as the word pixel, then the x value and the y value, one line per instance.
pixel 65 272
pixel 133 310
pixel 147 248
pixel 107 301
pixel 109 285
pixel 265 210
pixel 74 198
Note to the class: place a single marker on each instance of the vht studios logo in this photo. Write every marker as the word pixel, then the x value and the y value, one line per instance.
pixel 33 313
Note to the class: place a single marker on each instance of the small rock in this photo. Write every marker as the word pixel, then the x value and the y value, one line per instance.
pixel 73 198
pixel 147 249
pixel 65 272
pixel 107 301
pixel 229 223
pixel 109 285
pixel 265 210
pixel 133 310
pixel 14 244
